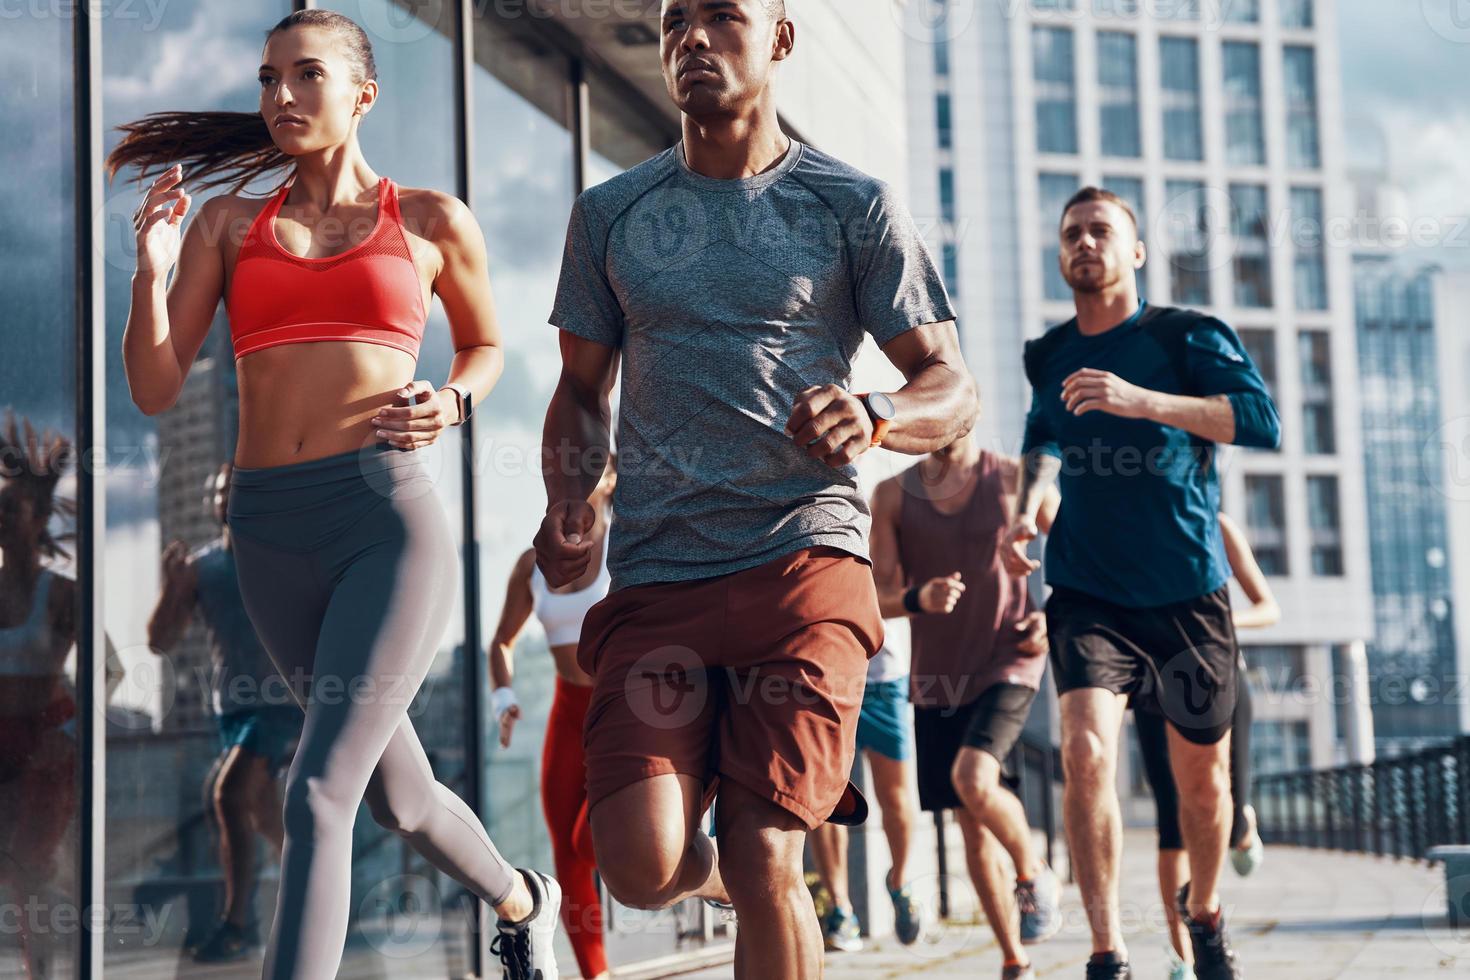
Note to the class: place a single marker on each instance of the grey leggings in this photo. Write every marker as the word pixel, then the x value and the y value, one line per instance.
pixel 348 570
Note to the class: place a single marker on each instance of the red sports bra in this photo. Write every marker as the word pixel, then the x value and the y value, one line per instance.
pixel 369 293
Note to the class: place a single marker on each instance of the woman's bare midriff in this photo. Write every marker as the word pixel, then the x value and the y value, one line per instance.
pixel 300 402
pixel 565 657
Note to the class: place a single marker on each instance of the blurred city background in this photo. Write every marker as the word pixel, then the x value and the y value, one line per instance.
pixel 1299 168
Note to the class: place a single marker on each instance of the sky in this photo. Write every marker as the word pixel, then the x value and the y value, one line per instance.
pixel 1405 88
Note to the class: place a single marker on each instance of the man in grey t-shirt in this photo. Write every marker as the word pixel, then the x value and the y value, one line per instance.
pixel 736 275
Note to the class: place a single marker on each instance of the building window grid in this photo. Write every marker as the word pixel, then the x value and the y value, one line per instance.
pixel 943 120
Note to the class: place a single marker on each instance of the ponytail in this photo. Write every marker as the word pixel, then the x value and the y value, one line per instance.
pixel 216 148
pixel 229 148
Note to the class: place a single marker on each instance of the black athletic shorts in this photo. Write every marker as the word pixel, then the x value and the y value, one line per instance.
pixel 992 723
pixel 1181 657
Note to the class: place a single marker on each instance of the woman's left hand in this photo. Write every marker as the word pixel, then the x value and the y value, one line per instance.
pixel 417 424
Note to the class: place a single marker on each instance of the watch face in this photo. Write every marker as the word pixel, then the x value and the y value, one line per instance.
pixel 882 406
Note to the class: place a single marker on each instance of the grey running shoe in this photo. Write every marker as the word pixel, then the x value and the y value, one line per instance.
pixel 841 932
pixel 908 919
pixel 1017 973
pixel 1108 966
pixel 525 948
pixel 1037 900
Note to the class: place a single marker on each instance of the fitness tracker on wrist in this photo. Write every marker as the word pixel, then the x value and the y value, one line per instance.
pixel 911 601
pixel 881 412
pixel 462 394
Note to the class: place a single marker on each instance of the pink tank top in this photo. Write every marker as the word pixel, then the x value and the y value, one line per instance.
pixel 957 656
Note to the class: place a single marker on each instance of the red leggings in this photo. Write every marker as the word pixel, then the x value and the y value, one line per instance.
pixel 564 799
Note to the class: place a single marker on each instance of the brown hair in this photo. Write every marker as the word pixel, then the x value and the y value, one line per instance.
pixel 228 148
pixel 1088 194
pixel 34 466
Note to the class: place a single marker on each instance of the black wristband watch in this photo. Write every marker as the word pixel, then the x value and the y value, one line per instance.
pixel 911 601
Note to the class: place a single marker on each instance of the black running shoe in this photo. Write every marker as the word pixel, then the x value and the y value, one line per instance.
pixel 1213 957
pixel 1108 966
pixel 226 944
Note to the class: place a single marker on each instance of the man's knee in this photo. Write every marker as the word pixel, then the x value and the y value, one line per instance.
pixel 1086 759
pixel 975 775
pixel 648 885
pixel 760 849
pixel 1203 780
pixel 641 869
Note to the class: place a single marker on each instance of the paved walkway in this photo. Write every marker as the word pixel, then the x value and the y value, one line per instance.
pixel 1305 915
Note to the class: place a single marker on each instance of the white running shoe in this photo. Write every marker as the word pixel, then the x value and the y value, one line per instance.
pixel 525 948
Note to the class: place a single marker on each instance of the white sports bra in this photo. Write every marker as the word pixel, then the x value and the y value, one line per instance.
pixel 561 613
pixel 25 649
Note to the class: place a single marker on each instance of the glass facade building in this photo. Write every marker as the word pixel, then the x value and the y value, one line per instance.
pixel 1412 658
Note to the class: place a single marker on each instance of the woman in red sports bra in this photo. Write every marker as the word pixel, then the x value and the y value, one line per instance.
pixel 347 562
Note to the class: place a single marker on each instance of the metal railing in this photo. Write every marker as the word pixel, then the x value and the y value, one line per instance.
pixel 1400 806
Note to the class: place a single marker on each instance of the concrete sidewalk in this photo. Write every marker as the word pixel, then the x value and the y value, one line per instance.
pixel 1305 915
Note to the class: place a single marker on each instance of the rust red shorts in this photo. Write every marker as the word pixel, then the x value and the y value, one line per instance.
pixel 756 676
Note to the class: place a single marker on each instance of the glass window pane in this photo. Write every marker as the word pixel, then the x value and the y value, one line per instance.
pixel 1309 264
pixel 524 190
pixel 1302 141
pixel 1180 98
pixel 1315 357
pixel 1187 228
pixel 1242 11
pixel 1056 90
pixel 1325 523
pixel 1249 222
pixel 1296 13
pixel 942 121
pixel 1054 192
pixel 623 132
pixel 1117 68
pixel 1266 522
pixel 39 780
pixel 1244 138
pixel 946 194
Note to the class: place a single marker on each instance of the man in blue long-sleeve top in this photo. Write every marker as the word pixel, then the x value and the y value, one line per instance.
pixel 1128 404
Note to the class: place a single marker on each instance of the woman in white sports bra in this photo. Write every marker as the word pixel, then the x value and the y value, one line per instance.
pixel 38 757
pixel 563 771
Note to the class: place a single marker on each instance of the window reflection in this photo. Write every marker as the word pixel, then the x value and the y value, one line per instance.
pixel 523 183
pixel 39 753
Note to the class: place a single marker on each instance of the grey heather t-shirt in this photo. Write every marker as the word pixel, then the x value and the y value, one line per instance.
pixel 728 298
